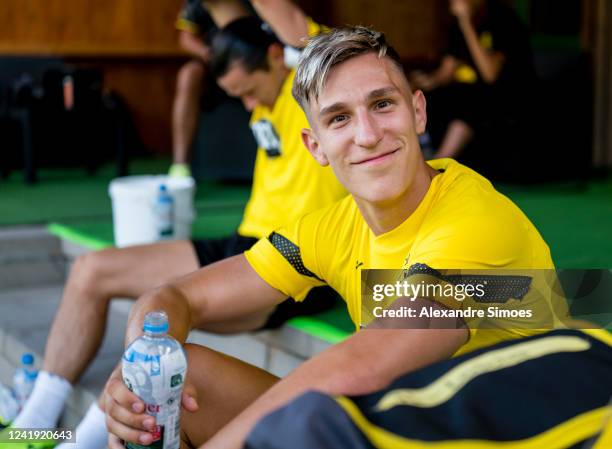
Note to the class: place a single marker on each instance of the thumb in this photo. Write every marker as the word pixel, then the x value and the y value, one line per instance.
pixel 190 399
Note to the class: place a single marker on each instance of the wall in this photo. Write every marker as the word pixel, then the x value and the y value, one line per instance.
pixel 134 42
pixel 415 28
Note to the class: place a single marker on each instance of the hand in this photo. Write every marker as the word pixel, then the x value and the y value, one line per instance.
pixel 422 80
pixel 125 417
pixel 460 9
pixel 205 54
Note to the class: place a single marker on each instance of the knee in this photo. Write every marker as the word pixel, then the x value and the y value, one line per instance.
pixel 88 274
pixel 190 77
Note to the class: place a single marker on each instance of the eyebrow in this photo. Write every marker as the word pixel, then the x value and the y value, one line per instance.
pixel 376 93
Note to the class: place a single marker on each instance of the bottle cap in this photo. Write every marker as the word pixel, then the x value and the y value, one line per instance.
pixel 27 359
pixel 163 188
pixel 156 322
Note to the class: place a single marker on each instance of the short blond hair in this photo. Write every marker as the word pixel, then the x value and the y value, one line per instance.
pixel 328 49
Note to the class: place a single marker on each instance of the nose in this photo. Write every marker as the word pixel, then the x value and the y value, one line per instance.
pixel 367 132
pixel 249 103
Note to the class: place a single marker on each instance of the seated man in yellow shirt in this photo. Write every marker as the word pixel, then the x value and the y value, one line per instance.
pixel 402 212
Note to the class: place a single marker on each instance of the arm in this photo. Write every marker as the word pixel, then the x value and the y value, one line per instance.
pixel 226 290
pixel 488 63
pixel 193 45
pixel 356 366
pixel 286 19
pixel 223 12
pixel 442 76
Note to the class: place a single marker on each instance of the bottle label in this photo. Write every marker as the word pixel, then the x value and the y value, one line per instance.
pixel 164 218
pixel 158 381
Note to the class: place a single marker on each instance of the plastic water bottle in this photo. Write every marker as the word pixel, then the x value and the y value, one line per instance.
pixel 154 368
pixel 24 378
pixel 163 211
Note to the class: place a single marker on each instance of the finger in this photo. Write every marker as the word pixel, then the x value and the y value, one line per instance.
pixel 138 421
pixel 126 433
pixel 114 442
pixel 122 395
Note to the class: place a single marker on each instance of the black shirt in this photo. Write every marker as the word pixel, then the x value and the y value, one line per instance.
pixel 499 29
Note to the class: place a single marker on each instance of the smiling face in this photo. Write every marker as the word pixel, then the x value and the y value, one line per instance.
pixel 365 124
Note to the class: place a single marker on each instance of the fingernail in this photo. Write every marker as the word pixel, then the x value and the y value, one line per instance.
pixel 145 438
pixel 148 424
pixel 137 407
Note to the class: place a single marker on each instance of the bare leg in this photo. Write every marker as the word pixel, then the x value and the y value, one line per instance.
pixel 186 108
pixel 225 386
pixel 458 135
pixel 94 280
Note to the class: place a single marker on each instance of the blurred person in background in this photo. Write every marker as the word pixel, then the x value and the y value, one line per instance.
pixel 483 78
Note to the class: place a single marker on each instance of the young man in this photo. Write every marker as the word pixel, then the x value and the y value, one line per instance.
pixel 287 183
pixel 402 212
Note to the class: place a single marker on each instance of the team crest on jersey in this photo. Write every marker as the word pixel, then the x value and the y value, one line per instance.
pixel 266 137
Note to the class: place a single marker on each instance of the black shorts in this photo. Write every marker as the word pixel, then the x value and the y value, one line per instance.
pixel 318 300
pixel 213 250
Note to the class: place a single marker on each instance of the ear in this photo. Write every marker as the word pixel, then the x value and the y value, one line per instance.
pixel 276 55
pixel 312 145
pixel 419 105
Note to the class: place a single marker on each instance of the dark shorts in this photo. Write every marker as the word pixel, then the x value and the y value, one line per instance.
pixel 318 300
pixel 501 396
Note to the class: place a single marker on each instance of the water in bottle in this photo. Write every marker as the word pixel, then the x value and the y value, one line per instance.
pixel 164 213
pixel 154 368
pixel 24 379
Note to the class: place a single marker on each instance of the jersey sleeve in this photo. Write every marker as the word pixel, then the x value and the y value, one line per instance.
pixel 286 260
pixel 315 28
pixel 193 18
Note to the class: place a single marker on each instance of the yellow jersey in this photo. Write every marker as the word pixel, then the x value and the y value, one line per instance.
pixel 287 181
pixel 461 223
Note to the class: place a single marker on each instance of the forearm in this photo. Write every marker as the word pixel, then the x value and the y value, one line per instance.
pixel 356 366
pixel 286 19
pixel 488 64
pixel 194 45
pixel 443 75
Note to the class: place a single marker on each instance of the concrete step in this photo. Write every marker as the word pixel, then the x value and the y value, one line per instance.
pixel 30 256
pixel 26 316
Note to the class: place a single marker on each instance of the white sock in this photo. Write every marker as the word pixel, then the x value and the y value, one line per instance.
pixel 91 432
pixel 46 403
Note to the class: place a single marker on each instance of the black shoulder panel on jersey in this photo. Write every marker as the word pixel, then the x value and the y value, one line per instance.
pixel 291 252
pixel 499 288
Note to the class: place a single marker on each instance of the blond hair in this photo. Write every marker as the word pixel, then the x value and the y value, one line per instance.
pixel 328 49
